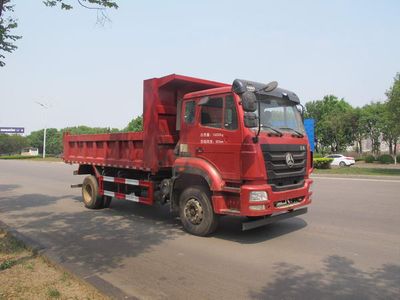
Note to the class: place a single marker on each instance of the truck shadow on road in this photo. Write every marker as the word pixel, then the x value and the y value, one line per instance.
pixel 100 240
pixel 230 229
pixel 338 279
pixel 8 187
pixel 97 240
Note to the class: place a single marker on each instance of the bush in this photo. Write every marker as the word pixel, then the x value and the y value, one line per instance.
pixel 369 159
pixel 398 158
pixel 17 157
pixel 386 159
pixel 322 162
pixel 317 155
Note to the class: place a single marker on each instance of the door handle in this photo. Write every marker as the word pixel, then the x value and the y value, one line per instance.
pixel 199 150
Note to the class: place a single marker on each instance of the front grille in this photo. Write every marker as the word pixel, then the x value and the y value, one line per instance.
pixel 279 175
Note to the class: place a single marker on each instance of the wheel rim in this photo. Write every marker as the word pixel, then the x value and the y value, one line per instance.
pixel 193 211
pixel 87 193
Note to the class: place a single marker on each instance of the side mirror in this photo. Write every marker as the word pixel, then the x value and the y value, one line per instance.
pixel 249 102
pixel 250 120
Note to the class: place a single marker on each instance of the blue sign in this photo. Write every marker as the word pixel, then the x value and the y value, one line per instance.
pixel 309 127
pixel 12 129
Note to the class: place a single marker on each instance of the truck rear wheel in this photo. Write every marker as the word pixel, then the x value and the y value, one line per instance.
pixel 90 193
pixel 196 212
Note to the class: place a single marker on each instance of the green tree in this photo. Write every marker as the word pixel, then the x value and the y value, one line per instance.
pixel 88 130
pixel 393 111
pixel 12 144
pixel 135 125
pixel 53 141
pixel 372 119
pixel 359 131
pixel 333 122
pixel 9 23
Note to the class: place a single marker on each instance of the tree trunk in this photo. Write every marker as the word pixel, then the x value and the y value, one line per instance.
pixel 390 146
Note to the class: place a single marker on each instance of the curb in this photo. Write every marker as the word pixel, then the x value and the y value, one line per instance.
pixel 59 263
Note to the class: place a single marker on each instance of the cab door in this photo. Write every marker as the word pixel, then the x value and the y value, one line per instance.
pixel 215 134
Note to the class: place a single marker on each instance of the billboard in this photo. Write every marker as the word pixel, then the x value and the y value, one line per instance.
pixel 12 129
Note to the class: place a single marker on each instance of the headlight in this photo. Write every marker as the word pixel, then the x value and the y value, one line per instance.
pixel 257 196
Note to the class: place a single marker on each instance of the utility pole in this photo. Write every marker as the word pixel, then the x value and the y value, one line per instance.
pixel 44 106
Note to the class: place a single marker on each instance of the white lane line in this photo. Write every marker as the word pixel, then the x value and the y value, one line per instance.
pixel 356 179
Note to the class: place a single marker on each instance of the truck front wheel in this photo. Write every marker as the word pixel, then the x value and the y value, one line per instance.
pixel 196 212
pixel 90 193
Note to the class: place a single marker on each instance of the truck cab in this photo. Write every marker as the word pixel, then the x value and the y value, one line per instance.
pixel 250 145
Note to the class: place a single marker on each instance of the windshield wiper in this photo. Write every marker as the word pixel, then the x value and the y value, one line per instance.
pixel 279 133
pixel 298 133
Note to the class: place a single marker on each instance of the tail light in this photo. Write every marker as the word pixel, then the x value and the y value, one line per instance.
pixel 350 158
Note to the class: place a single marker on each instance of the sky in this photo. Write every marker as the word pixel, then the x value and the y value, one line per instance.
pixel 92 75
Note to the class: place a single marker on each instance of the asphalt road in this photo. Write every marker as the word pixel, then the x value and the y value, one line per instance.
pixel 347 246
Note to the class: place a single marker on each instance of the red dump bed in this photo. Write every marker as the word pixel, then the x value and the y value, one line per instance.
pixel 150 149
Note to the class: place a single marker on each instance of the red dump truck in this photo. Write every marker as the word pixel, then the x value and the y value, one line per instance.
pixel 207 149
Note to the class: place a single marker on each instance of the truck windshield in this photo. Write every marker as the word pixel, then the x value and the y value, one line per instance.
pixel 280 114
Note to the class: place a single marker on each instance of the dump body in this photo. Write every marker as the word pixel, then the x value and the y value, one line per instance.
pixel 149 150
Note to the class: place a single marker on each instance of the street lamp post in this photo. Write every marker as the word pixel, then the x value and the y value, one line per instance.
pixel 44 106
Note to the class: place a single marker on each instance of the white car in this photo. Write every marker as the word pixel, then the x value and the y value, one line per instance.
pixel 341 160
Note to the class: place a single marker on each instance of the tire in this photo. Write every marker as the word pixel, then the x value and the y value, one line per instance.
pixel 196 211
pixel 342 164
pixel 90 193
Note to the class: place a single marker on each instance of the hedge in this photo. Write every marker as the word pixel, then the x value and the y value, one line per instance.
pixel 386 159
pixel 322 162
pixel 17 157
pixel 369 159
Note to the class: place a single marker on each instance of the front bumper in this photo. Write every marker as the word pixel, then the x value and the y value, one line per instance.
pixel 282 201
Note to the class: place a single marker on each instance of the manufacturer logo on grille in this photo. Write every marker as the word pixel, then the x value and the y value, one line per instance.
pixel 289 160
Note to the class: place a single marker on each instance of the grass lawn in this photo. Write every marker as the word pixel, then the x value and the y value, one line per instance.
pixel 359 171
pixel 24 275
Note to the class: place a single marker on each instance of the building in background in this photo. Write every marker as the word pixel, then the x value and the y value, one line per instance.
pixel 30 151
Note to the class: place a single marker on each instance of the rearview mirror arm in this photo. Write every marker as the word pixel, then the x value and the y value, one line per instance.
pixel 255 138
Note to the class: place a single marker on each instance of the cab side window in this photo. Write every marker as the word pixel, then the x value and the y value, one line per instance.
pixel 211 113
pixel 190 110
pixel 219 113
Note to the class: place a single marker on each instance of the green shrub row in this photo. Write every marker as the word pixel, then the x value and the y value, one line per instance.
pixel 322 162
pixel 17 157
pixel 383 159
pixel 369 159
